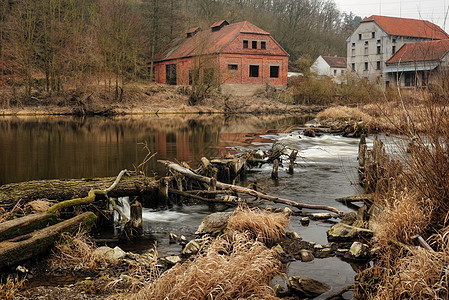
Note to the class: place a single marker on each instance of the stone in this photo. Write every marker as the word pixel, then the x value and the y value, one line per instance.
pixel 214 224
pixel 278 249
pixel 307 287
pixel 118 253
pixel 172 260
pixel 317 247
pixel 341 232
pixel 293 235
pixel 310 132
pixel 319 216
pixel 358 251
pixel 191 248
pixel 288 211
pixel 173 238
pixel 182 240
pixel 349 218
pixel 305 221
pixel 279 291
pixel 325 252
pixel 306 255
pixel 109 253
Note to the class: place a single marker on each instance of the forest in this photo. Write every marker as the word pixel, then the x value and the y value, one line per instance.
pixel 63 44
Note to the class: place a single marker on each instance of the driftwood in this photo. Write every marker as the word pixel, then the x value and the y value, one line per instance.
pixel 243 190
pixel 24 247
pixel 59 190
pixel 366 198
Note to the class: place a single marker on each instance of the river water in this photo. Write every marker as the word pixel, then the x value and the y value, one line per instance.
pixel 68 147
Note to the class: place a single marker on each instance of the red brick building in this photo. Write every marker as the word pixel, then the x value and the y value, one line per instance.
pixel 240 57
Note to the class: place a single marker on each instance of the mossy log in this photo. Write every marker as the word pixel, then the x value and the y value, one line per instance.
pixel 59 190
pixel 38 242
pixel 25 225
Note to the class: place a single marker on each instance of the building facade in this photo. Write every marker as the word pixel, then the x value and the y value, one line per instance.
pixel 241 58
pixel 379 38
pixel 332 66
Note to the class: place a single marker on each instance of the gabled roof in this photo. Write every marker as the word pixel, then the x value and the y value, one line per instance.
pixel 335 61
pixel 207 41
pixel 421 52
pixel 408 27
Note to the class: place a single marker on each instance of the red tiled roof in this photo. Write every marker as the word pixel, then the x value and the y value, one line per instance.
pixel 423 51
pixel 408 27
pixel 335 61
pixel 219 23
pixel 207 41
pixel 194 29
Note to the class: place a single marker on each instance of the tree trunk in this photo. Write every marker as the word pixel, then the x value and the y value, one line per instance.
pixel 28 191
pixel 36 243
pixel 25 225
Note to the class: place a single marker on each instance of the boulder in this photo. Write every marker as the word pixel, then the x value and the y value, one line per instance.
pixel 293 235
pixel 325 252
pixel 307 287
pixel 109 253
pixel 214 224
pixel 306 255
pixel 349 218
pixel 310 132
pixel 358 251
pixel 172 260
pixel 191 248
pixel 341 232
pixel 305 221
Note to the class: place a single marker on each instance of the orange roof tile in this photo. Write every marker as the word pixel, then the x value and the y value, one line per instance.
pixel 207 41
pixel 408 27
pixel 335 61
pixel 423 51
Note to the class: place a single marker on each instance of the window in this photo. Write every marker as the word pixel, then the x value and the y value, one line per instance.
pixel 233 67
pixel 378 65
pixel 194 76
pixel 353 66
pixel 360 36
pixel 274 71
pixel 378 49
pixel 263 45
pixel 353 52
pixel 373 35
pixel 353 44
pixel 245 44
pixel 208 76
pixel 366 43
pixel 254 44
pixel 366 66
pixel 170 74
pixel 378 41
pixel 366 50
pixel 253 71
pixel 335 72
pixel 342 72
pixel 393 50
pixel 394 40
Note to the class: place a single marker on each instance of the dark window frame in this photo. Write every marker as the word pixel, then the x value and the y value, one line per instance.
pixel 274 71
pixel 233 67
pixel 253 44
pixel 263 45
pixel 245 44
pixel 366 66
pixel 254 71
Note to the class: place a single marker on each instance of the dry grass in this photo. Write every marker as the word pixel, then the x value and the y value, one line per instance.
pixel 344 113
pixel 265 226
pixel 239 269
pixel 10 288
pixel 76 251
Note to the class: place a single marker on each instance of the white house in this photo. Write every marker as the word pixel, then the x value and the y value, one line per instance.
pixel 332 66
pixel 378 38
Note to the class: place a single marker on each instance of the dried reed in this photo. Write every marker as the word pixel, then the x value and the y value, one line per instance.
pixel 239 269
pixel 10 288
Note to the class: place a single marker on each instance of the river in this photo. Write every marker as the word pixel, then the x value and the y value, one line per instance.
pixel 68 147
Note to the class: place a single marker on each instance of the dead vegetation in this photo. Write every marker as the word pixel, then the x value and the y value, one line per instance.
pixel 414 200
pixel 10 287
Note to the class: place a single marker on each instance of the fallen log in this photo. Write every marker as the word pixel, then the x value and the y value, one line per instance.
pixel 59 190
pixel 24 225
pixel 38 242
pixel 366 198
pixel 243 190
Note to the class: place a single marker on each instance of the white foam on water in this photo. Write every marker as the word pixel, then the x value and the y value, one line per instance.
pixel 164 216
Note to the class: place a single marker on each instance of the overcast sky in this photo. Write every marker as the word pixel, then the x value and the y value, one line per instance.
pixel 431 10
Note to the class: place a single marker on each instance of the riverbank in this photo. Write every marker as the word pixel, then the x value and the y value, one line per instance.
pixel 144 99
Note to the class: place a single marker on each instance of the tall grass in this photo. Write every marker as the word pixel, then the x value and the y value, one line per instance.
pixel 240 268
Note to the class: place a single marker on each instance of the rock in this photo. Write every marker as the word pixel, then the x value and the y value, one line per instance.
pixel 191 248
pixel 109 253
pixel 307 287
pixel 310 132
pixel 349 218
pixel 341 251
pixel 341 232
pixel 317 247
pixel 278 249
pixel 172 260
pixel 293 235
pixel 182 240
pixel 214 224
pixel 319 216
pixel 173 238
pixel 306 255
pixel 358 251
pixel 288 211
pixel 325 252
pixel 279 291
pixel 305 221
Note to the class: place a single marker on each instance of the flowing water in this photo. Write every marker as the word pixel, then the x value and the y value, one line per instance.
pixel 68 147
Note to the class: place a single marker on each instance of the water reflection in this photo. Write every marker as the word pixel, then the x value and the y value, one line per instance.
pixel 70 147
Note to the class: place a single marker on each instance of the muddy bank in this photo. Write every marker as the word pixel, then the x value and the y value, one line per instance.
pixel 143 99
